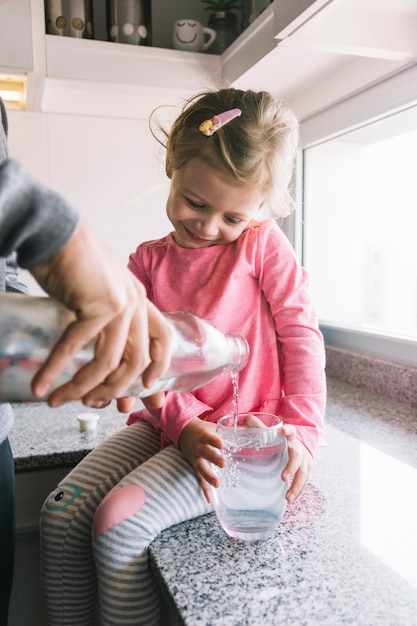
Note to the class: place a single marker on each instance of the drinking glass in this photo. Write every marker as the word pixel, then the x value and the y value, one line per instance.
pixel 250 501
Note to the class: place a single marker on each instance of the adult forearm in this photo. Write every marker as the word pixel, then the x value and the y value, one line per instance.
pixel 35 222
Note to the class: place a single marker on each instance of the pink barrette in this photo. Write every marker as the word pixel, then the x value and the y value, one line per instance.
pixel 209 127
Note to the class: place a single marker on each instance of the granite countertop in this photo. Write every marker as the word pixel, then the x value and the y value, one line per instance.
pixel 44 438
pixel 345 553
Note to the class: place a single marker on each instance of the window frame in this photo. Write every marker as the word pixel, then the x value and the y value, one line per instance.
pixel 394 94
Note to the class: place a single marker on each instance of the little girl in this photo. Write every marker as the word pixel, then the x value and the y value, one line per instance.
pixel 229 153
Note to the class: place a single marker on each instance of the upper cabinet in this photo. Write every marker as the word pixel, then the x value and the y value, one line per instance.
pixel 120 80
pixel 312 53
pixel 104 78
pixel 291 14
pixel 364 28
pixel 16 45
pixel 327 50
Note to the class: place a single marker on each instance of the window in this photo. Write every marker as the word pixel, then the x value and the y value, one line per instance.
pixel 360 221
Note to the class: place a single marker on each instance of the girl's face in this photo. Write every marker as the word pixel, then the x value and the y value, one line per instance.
pixel 206 209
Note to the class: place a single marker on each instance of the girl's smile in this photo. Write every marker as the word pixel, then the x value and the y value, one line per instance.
pixel 195 238
pixel 205 208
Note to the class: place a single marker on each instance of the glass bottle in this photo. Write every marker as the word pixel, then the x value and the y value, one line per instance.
pixel 30 326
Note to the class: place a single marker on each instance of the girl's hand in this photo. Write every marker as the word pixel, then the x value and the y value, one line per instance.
pixel 299 466
pixel 197 442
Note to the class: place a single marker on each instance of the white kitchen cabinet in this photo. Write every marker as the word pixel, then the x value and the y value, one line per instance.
pixel 290 14
pixel 85 76
pixel 103 78
pixel 310 52
pixel 26 608
pixel 75 75
pixel 142 74
pixel 329 50
pixel 357 27
pixel 250 48
pixel 16 48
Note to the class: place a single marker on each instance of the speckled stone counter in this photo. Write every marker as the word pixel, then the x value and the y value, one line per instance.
pixel 43 438
pixel 345 553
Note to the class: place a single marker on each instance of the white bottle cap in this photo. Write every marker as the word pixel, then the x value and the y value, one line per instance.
pixel 88 421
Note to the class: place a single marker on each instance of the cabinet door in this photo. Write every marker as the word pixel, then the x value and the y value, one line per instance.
pixel 290 14
pixel 16 49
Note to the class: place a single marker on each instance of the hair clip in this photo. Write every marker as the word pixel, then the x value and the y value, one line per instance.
pixel 209 127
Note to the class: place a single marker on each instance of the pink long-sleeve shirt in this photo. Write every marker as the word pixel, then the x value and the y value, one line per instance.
pixel 252 287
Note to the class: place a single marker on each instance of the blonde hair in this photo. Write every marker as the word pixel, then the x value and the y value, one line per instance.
pixel 257 148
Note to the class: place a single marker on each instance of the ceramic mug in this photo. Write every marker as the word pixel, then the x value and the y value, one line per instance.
pixel 192 36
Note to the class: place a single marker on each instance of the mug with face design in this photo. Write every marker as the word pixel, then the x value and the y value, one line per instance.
pixel 192 36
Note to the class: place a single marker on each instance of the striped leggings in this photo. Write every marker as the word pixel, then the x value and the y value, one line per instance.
pixel 97 524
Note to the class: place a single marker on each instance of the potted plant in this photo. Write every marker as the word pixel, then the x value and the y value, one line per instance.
pixel 224 21
pixel 221 5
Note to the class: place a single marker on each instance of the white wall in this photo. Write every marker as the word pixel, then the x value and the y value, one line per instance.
pixel 111 169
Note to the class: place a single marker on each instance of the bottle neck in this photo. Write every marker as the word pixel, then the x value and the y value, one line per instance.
pixel 239 353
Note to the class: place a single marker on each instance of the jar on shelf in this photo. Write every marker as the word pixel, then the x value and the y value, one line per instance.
pixel 70 18
pixel 129 21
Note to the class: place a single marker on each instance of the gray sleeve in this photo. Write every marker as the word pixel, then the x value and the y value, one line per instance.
pixel 13 283
pixel 35 222
pixel 4 149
